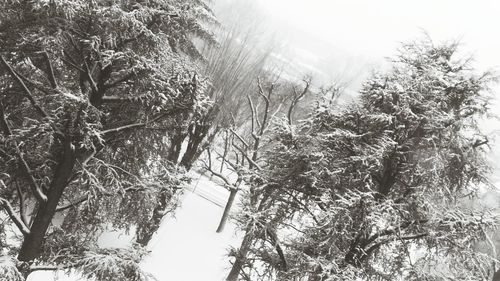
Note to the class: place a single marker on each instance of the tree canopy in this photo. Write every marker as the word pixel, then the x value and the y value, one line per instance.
pixel 89 92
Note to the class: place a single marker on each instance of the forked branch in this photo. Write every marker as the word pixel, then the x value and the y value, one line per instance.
pixel 296 98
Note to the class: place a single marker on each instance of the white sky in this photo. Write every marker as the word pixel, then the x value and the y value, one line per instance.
pixel 373 29
pixel 361 34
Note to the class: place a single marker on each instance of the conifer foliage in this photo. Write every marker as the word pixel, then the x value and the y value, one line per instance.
pixel 376 190
pixel 89 91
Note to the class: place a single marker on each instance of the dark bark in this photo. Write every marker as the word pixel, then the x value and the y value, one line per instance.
pixel 227 209
pixel 97 94
pixel 241 255
pixel 197 133
pixel 273 238
pixel 388 177
pixel 33 243
pixel 246 244
pixel 496 276
pixel 4 126
pixel 175 146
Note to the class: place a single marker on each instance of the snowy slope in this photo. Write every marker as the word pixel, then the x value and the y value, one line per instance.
pixel 186 247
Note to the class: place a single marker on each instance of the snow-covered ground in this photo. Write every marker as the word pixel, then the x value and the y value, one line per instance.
pixel 186 247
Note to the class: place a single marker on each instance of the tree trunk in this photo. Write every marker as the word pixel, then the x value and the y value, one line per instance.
pixel 227 210
pixel 196 135
pixel 496 276
pixel 145 233
pixel 32 244
pixel 246 244
pixel 239 262
pixel 224 154
pixel 175 146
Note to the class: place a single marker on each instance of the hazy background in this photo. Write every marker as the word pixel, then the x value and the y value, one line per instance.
pixel 345 41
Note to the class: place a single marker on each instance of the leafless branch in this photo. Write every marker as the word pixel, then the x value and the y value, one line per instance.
pixel 250 160
pixel 239 137
pixel 261 91
pixel 296 98
pixel 208 167
pixel 254 116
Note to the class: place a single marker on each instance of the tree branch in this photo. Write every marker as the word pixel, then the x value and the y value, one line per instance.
pixel 239 137
pixel 142 124
pixel 88 73
pixel 12 215
pixel 26 91
pixel 247 157
pixel 121 80
pixel 37 191
pixel 252 108
pixel 50 70
pixel 297 98
pixel 72 62
pixel 379 244
pixel 35 188
pixel 73 204
pixel 110 99
pixel 261 90
pixel 50 268
pixel 22 206
pixel 3 121
pixel 275 242
pixel 208 167
pixel 122 128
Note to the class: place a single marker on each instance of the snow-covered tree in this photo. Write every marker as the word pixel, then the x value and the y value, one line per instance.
pixel 376 191
pixel 89 91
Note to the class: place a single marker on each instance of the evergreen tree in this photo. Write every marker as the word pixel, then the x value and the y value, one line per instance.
pixel 376 191
pixel 89 91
